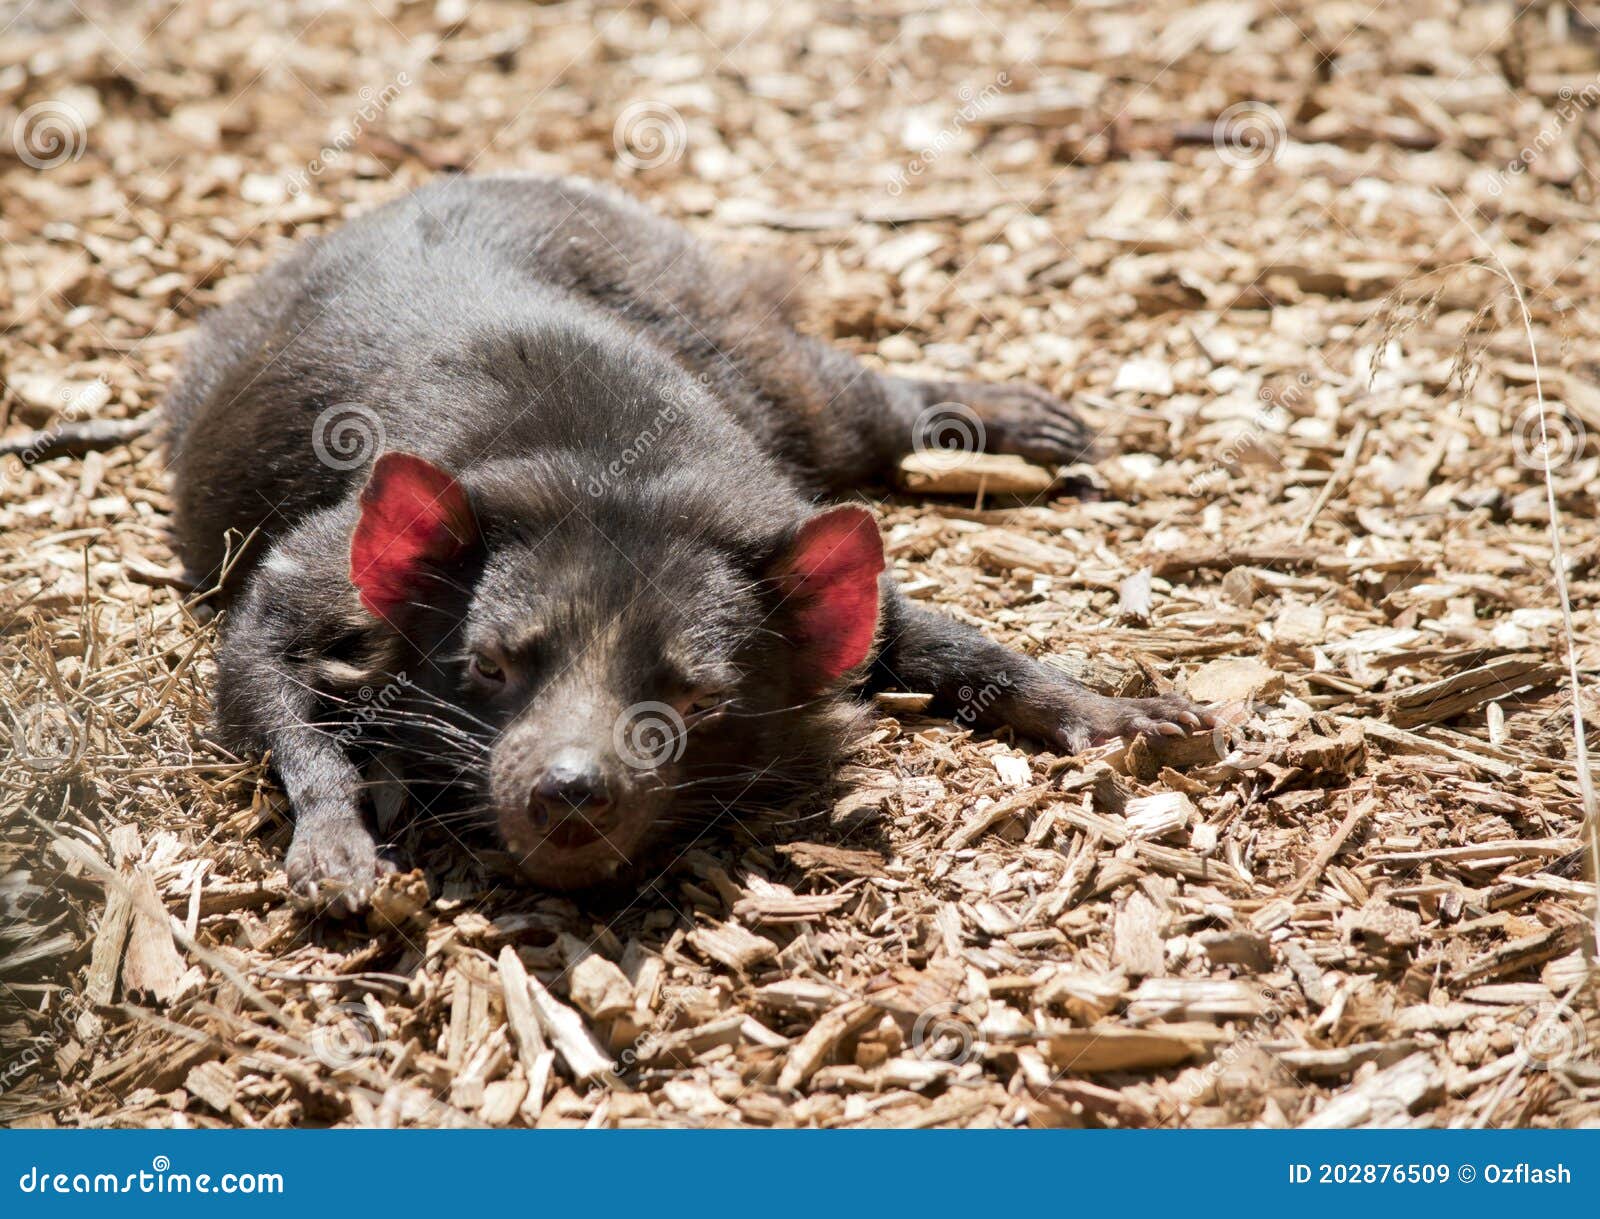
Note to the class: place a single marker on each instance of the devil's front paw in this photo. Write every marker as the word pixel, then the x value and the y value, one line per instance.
pixel 1028 422
pixel 334 865
pixel 1095 719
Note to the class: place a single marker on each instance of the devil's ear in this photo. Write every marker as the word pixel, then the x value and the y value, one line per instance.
pixel 828 576
pixel 414 516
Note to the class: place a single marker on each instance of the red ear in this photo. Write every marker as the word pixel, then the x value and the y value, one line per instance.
pixel 829 576
pixel 412 514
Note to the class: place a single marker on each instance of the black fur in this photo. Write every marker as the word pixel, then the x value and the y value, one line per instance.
pixel 641 432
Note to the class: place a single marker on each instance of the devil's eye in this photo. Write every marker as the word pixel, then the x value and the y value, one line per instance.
pixel 707 703
pixel 484 669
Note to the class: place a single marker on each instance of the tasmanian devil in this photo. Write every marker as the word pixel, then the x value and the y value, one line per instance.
pixel 517 490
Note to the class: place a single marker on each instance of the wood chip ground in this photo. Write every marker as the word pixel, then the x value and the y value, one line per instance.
pixel 1252 239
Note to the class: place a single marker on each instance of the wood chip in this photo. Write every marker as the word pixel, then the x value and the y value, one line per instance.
pixel 152 967
pixel 1386 1098
pixel 973 474
pixel 564 1029
pixel 600 990
pixel 733 945
pixel 1136 943
pixel 821 1039
pixel 1107 1048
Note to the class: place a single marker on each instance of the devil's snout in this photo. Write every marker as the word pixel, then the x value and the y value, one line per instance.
pixel 571 796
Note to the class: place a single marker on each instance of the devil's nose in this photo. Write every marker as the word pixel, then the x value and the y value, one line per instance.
pixel 571 781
